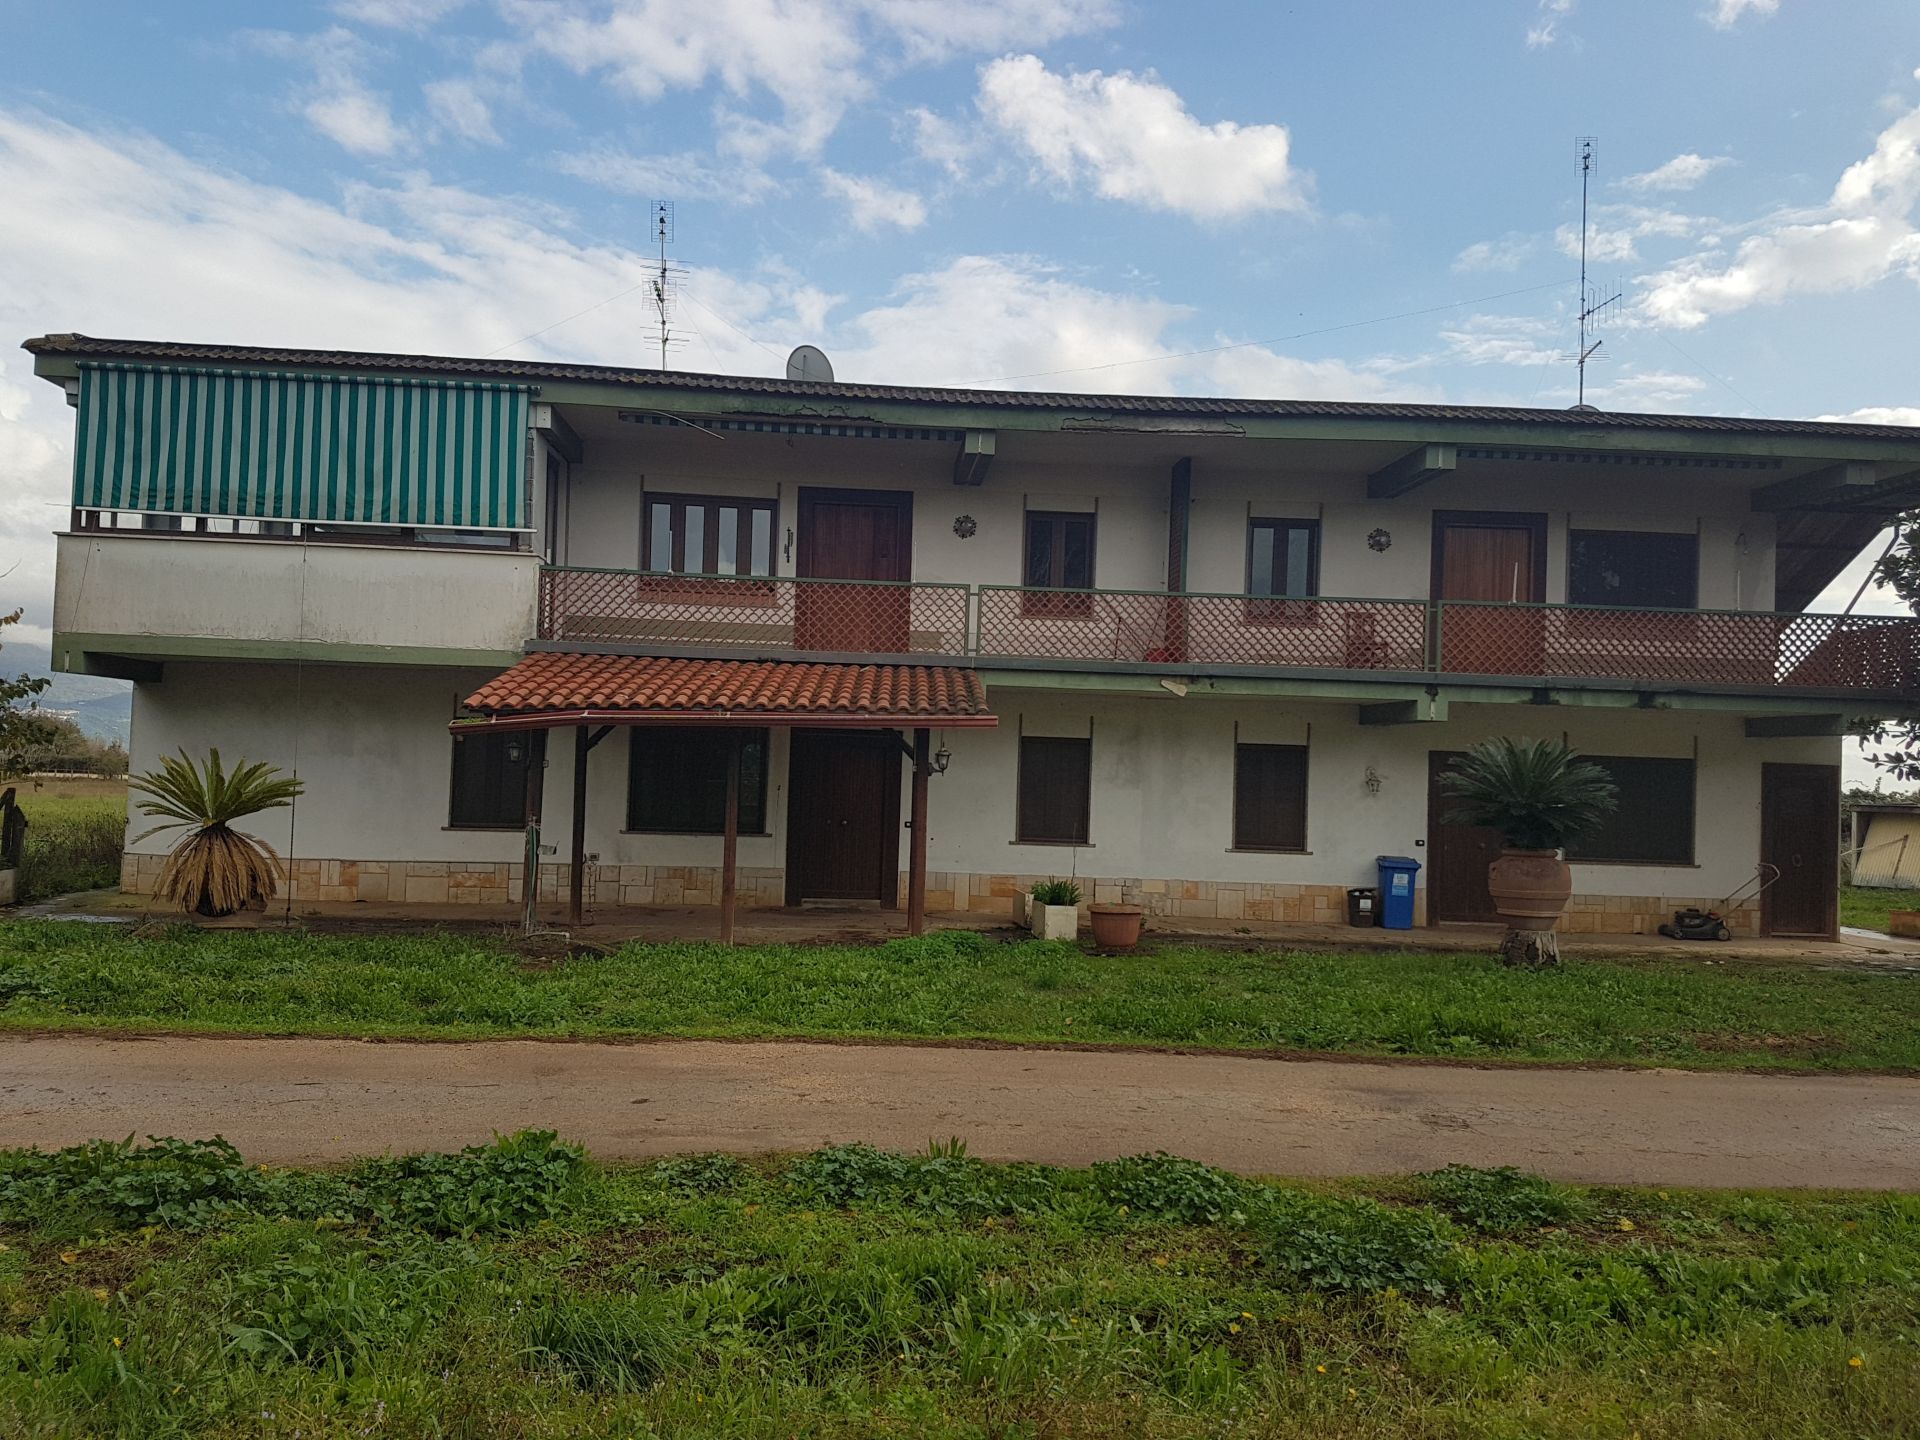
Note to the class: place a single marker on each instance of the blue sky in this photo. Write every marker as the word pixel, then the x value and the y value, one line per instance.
pixel 1361 200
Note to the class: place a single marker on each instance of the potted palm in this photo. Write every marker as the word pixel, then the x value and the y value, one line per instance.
pixel 1541 797
pixel 214 869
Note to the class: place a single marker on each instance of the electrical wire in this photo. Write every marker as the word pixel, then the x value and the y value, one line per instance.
pixel 598 304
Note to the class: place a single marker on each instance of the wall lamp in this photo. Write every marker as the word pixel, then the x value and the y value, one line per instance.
pixel 942 758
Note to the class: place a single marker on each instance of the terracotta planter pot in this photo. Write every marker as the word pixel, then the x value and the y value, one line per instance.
pixel 1530 888
pixel 1116 927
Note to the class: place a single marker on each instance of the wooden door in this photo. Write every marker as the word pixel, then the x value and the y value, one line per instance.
pixel 1457 855
pixel 855 535
pixel 1799 832
pixel 843 816
pixel 1498 557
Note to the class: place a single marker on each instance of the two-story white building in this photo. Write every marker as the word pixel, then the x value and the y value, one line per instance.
pixel 1209 654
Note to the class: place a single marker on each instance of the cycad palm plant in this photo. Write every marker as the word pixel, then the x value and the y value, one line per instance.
pixel 216 869
pixel 1538 794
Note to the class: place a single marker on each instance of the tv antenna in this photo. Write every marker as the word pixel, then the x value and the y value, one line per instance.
pixel 1587 147
pixel 665 281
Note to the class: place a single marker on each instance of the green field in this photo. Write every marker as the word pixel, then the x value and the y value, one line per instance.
pixel 1866 909
pixel 76 828
pixel 961 985
pixel 520 1291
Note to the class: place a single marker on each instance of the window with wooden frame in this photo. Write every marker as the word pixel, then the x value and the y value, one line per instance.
pixel 699 535
pixel 1653 819
pixel 1270 797
pixel 1059 556
pixel 677 779
pixel 1283 567
pixel 1055 791
pixel 489 785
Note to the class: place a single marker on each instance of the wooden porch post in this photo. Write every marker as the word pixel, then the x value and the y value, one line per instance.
pixel 730 846
pixel 536 792
pixel 1179 504
pixel 576 875
pixel 917 850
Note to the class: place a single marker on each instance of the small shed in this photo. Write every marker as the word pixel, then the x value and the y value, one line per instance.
pixel 1884 843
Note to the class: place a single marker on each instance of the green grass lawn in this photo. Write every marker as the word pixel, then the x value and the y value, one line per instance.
pixel 520 1291
pixel 963 985
pixel 1867 908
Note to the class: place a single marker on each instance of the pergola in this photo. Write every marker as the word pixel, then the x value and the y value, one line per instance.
pixel 593 695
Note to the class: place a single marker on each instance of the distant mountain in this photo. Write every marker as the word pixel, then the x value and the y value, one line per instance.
pixel 102 708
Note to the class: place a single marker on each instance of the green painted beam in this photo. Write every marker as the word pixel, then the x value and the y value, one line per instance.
pixel 975 459
pixel 1427 710
pixel 1840 484
pixel 1789 727
pixel 71 648
pixel 1412 470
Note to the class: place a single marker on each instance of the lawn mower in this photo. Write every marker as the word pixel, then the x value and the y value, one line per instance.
pixel 1712 924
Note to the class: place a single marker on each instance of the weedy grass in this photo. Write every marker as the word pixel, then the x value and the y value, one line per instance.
pixel 856 1292
pixel 1866 908
pixel 76 829
pixel 963 985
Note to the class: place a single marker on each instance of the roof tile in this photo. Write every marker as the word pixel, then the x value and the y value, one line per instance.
pixel 562 681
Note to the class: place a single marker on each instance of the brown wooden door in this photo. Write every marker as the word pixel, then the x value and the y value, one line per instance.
pixel 843 816
pixel 855 535
pixel 1491 556
pixel 1457 855
pixel 1799 832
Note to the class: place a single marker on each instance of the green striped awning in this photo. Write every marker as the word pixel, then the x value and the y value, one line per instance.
pixel 273 445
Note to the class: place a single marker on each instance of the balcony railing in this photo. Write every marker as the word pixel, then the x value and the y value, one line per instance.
pixel 1728 649
pixel 865 617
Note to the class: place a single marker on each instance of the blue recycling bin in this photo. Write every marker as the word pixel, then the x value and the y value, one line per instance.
pixel 1396 891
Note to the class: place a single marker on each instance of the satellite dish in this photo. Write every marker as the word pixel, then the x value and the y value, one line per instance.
pixel 809 362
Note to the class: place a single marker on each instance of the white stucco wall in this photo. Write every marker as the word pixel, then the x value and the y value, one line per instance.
pixel 372 746
pixel 232 590
pixel 1129 498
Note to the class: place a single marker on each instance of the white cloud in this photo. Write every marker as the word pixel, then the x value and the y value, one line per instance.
pixel 1683 172
pixel 1863 235
pixel 1135 140
pixel 873 204
pixel 1725 14
pixel 459 106
pixel 1617 231
pixel 397 14
pixel 1504 340
pixel 812 58
pixel 1657 390
pixel 153 243
pixel 1545 29
pixel 941 141
pixel 1509 252
pixel 684 175
pixel 337 101
pixel 1878 415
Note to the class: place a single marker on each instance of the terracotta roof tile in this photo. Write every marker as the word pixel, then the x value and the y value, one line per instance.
pixel 779 691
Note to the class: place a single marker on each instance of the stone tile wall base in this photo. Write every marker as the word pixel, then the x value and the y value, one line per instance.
pixel 457 882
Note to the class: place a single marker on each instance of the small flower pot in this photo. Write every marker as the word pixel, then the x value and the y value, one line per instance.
pixel 1116 927
pixel 1530 888
pixel 1056 922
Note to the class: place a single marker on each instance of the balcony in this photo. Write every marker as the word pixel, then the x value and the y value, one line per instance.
pixel 1864 655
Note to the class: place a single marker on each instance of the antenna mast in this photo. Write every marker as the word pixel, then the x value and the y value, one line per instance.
pixel 665 284
pixel 1587 147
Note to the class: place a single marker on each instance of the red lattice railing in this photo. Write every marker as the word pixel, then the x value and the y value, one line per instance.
pixel 1725 648
pixel 864 617
pixel 1701 647
pixel 1149 627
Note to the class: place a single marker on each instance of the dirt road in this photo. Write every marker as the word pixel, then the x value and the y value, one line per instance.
pixel 319 1100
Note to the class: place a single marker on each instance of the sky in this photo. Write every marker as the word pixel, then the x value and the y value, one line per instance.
pixel 1307 200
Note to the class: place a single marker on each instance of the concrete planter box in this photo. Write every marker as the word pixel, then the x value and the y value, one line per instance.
pixel 1904 923
pixel 1055 922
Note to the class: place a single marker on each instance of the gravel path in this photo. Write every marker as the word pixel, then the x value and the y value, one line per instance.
pixel 323 1100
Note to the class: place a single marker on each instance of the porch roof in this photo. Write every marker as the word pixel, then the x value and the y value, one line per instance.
pixel 552 688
